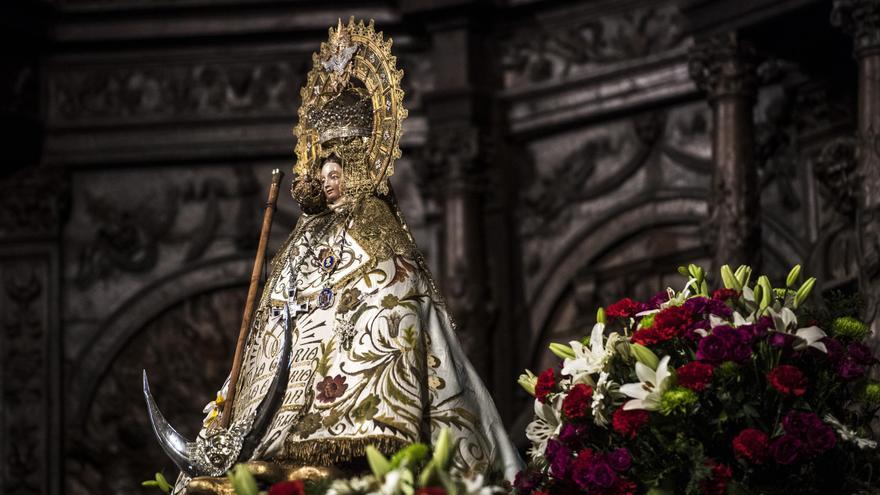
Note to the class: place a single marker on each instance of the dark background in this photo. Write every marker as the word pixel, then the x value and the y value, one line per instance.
pixel 557 156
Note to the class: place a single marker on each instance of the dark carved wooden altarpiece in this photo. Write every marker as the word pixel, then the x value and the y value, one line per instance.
pixel 558 155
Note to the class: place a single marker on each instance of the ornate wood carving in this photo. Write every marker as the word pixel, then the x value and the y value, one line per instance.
pixel 861 18
pixel 24 430
pixel 724 67
pixel 581 43
pixel 187 351
pixel 177 91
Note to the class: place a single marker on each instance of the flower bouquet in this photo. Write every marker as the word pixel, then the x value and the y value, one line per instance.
pixel 414 470
pixel 741 391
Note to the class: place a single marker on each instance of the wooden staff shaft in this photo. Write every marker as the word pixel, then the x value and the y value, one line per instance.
pixel 226 415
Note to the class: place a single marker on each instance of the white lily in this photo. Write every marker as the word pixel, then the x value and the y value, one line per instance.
pixel 785 320
pixel 681 297
pixel 397 481
pixel 652 383
pixel 477 486
pixel 546 424
pixel 587 360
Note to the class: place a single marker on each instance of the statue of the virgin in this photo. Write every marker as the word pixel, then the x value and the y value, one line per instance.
pixel 350 311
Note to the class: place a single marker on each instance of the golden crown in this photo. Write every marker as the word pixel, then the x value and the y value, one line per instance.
pixel 352 106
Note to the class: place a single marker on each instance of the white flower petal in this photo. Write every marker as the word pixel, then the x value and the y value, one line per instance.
pixel 634 404
pixel 645 373
pixel 634 390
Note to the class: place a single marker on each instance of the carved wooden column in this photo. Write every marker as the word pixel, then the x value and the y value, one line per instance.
pixel 724 67
pixel 32 208
pixel 861 18
pixel 459 109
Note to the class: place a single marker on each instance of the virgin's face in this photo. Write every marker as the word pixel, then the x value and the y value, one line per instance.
pixel 331 177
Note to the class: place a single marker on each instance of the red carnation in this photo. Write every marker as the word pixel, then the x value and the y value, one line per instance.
pixel 788 380
pixel 577 402
pixel 725 294
pixel 678 320
pixel 432 490
pixel 625 308
pixel 623 487
pixel 627 423
pixel 672 322
pixel 695 375
pixel 752 445
pixel 545 384
pixel 295 487
pixel 717 484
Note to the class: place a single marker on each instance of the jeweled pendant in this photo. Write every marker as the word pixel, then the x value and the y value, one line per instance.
pixel 328 263
pixel 325 298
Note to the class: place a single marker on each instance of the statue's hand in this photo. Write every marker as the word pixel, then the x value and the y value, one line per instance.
pixel 306 190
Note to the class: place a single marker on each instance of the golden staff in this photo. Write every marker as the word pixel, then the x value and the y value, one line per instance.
pixel 226 414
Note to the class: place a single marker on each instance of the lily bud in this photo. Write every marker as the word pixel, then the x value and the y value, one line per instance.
pixel 527 381
pixel 645 356
pixel 766 292
pixel 743 274
pixel 793 276
pixel 804 292
pixel 562 351
pixel 600 315
pixel 729 279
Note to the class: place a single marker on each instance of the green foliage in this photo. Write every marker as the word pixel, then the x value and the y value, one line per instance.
pixel 159 482
pixel 243 481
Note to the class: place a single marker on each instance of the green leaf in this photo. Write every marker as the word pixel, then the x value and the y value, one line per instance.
pixel 243 481
pixel 411 455
pixel 379 465
pixel 428 476
pixel 683 270
pixel 443 449
pixel 163 483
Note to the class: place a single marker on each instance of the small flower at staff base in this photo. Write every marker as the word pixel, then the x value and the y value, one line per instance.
pixel 296 487
pixel 678 400
pixel 545 384
pixel 788 380
pixel 847 327
pixel 752 445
